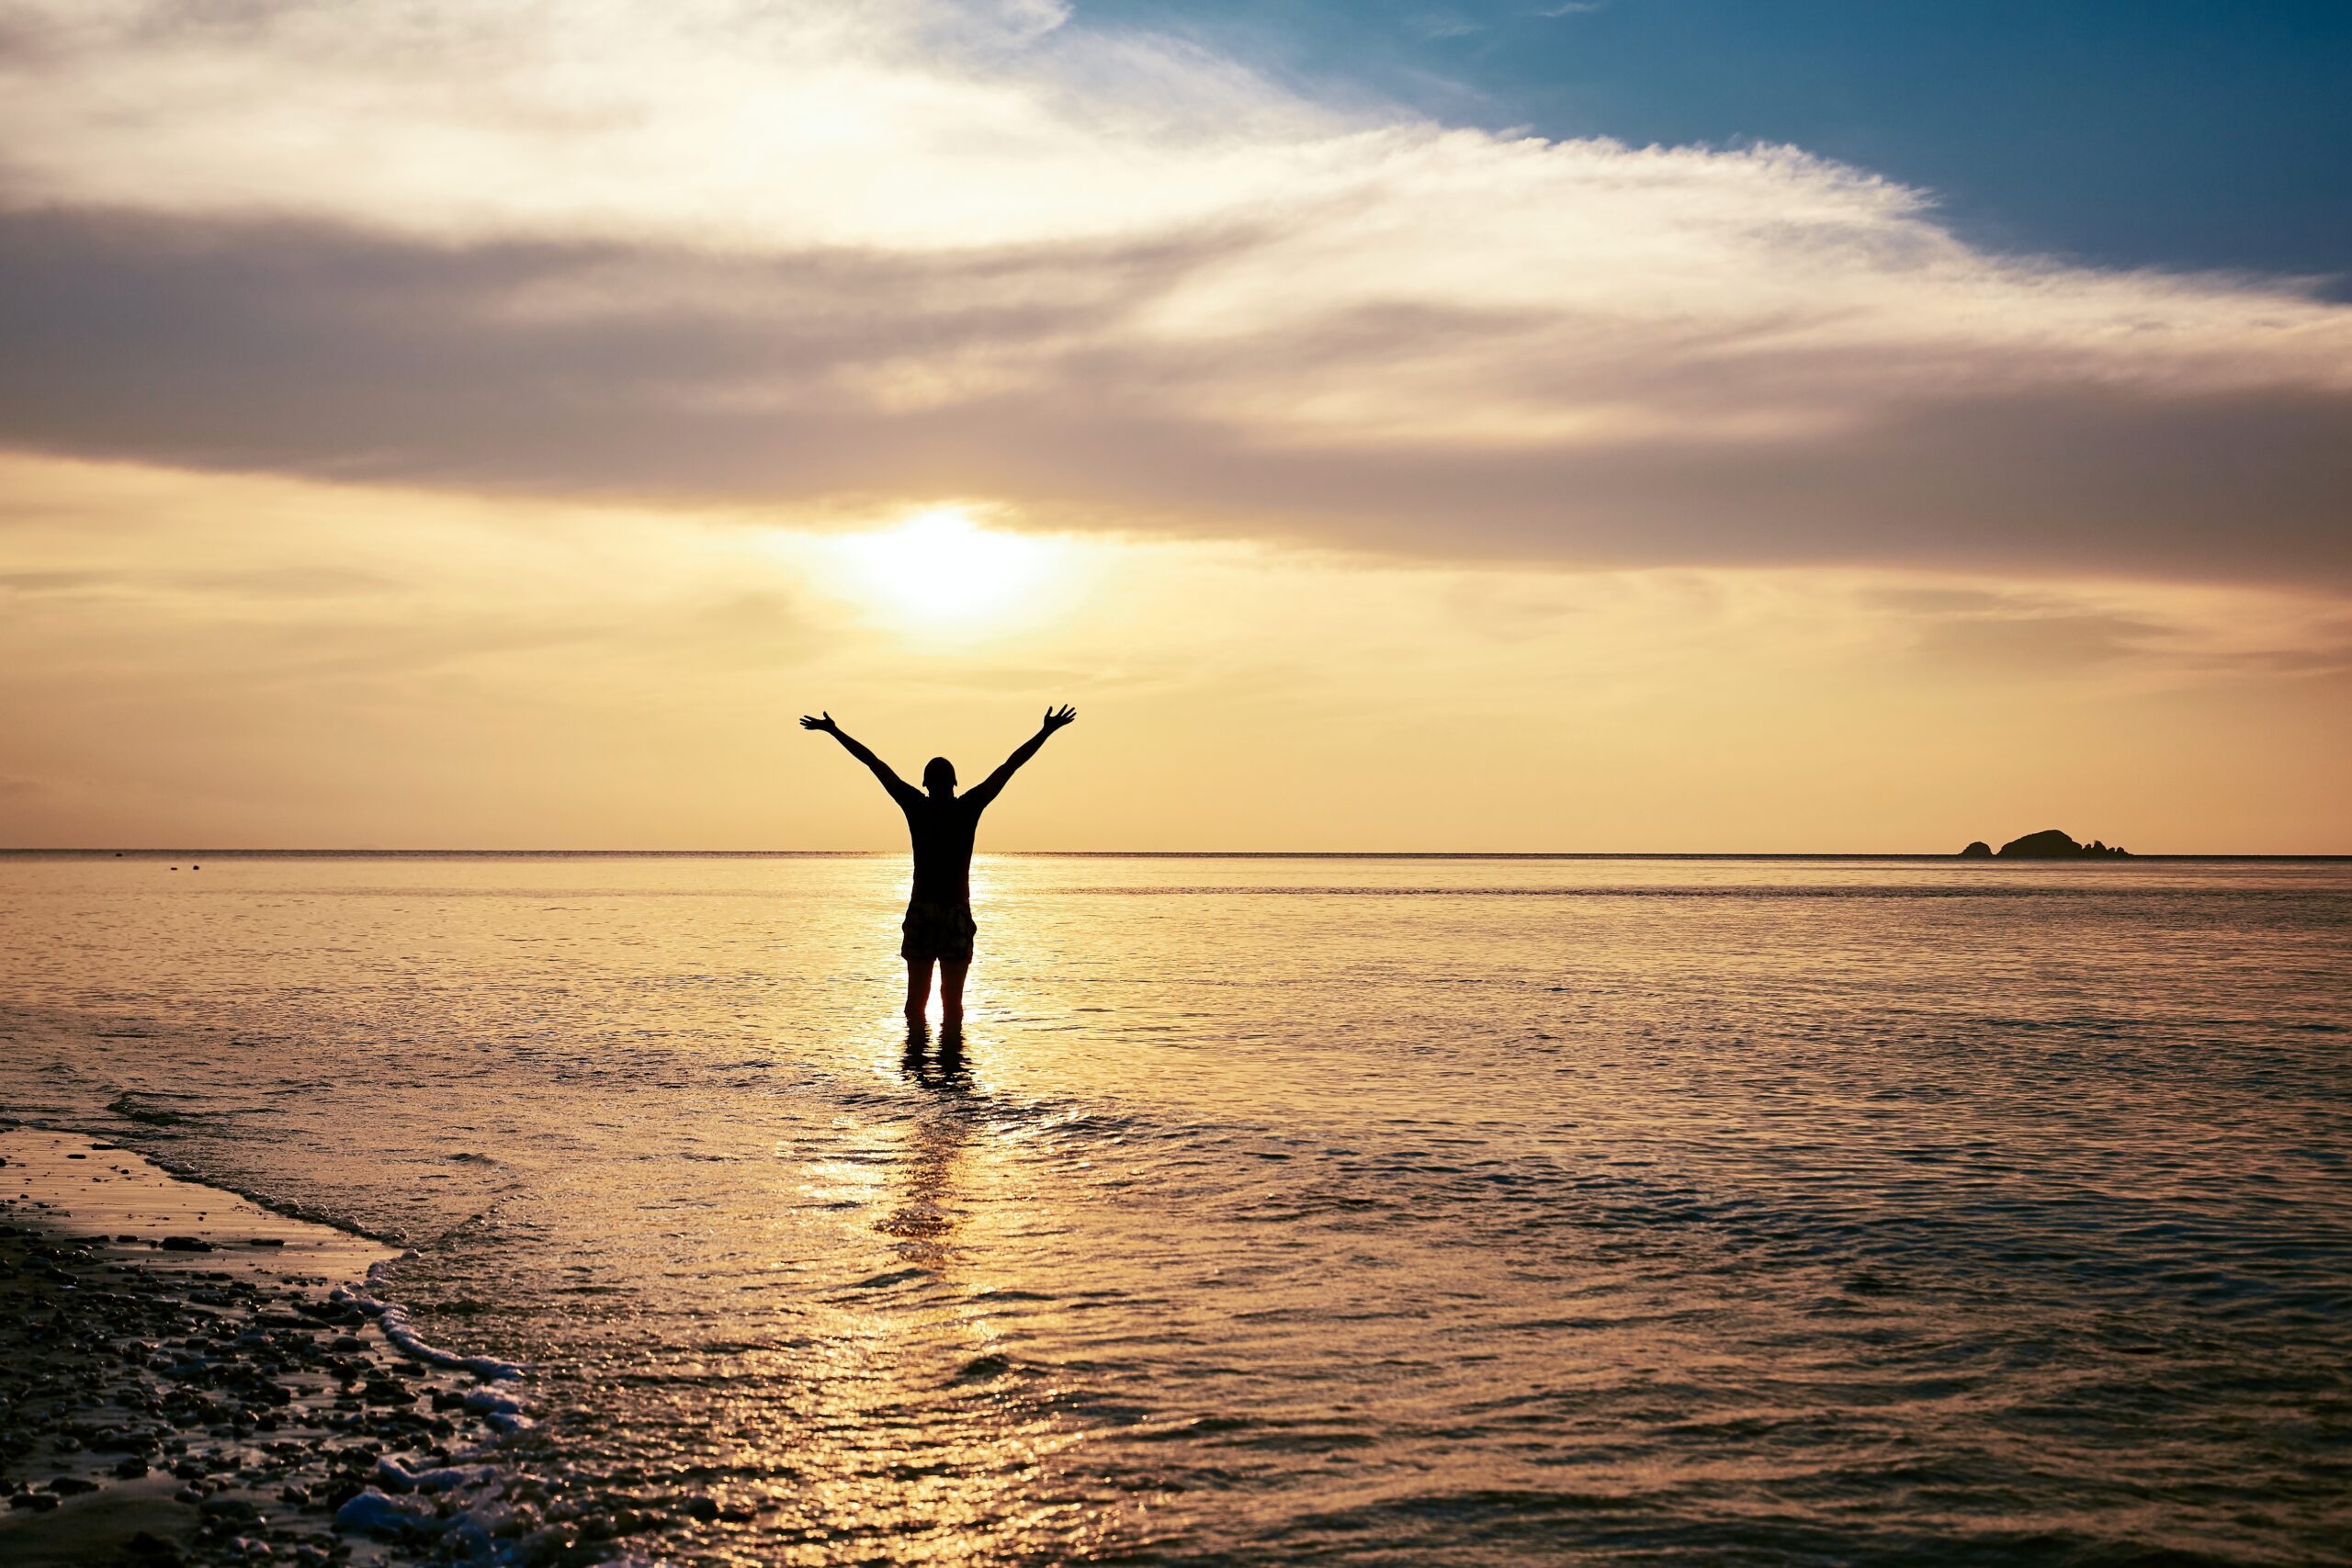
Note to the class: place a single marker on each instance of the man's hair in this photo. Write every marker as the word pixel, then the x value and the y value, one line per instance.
pixel 939 773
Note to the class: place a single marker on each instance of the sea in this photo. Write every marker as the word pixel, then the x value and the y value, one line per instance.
pixel 1363 1210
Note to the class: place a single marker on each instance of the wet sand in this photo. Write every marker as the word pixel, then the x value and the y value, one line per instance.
pixel 188 1378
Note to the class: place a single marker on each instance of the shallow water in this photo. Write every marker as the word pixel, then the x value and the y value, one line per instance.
pixel 1411 1211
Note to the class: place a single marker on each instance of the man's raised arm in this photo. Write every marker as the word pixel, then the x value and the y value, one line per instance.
pixel 901 790
pixel 988 788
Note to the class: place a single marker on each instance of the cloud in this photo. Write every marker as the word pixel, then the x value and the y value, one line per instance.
pixel 2055 643
pixel 1438 26
pixel 36 581
pixel 598 369
pixel 803 256
pixel 2160 639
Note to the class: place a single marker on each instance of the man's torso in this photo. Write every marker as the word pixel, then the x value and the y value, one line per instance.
pixel 942 832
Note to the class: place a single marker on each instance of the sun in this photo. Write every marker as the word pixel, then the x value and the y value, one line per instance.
pixel 939 567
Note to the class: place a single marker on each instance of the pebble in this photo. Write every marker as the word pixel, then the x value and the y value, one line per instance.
pixel 376 1514
pixel 245 1394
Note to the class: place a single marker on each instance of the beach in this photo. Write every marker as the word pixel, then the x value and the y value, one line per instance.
pixel 1371 1210
pixel 186 1377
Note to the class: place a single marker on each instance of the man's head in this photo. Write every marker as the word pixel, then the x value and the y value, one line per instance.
pixel 939 776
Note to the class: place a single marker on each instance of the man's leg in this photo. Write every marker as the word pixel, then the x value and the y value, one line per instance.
pixel 950 991
pixel 919 987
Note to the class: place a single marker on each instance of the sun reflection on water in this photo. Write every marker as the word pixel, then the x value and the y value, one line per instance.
pixel 927 1439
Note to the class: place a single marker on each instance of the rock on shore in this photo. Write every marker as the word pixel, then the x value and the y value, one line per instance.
pixel 170 1405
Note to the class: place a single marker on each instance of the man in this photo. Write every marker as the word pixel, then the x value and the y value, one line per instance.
pixel 938 928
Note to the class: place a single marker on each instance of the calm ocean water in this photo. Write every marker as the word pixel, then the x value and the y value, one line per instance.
pixel 1416 1212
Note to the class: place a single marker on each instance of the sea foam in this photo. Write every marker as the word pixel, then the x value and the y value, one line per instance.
pixel 394 1319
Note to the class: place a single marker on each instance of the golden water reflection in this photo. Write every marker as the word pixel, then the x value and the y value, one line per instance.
pixel 1396 1210
pixel 934 1442
pixel 926 1215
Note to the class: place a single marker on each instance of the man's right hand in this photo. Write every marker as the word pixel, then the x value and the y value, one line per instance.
pixel 824 723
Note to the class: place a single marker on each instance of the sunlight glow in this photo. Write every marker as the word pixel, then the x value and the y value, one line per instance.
pixel 941 567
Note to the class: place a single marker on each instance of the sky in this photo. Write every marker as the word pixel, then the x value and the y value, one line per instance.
pixel 1650 425
pixel 2175 134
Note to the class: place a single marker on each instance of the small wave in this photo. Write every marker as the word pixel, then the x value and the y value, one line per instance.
pixel 180 1170
pixel 124 1105
pixel 984 1369
pixel 392 1317
pixel 884 1281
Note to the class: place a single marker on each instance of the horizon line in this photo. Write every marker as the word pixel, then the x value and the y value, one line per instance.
pixel 218 853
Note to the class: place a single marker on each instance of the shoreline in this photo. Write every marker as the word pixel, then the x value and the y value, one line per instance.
pixel 186 1376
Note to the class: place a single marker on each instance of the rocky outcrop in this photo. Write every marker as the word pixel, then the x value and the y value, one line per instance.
pixel 2051 844
pixel 1980 849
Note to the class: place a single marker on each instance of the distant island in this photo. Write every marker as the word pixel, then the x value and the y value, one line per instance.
pixel 2048 844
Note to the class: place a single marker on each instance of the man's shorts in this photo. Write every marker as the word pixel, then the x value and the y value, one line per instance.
pixel 939 932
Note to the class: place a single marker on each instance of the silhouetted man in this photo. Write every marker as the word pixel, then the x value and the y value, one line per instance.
pixel 938 928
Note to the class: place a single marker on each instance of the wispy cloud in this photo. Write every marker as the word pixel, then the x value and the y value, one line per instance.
pixel 724 252
pixel 1438 25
